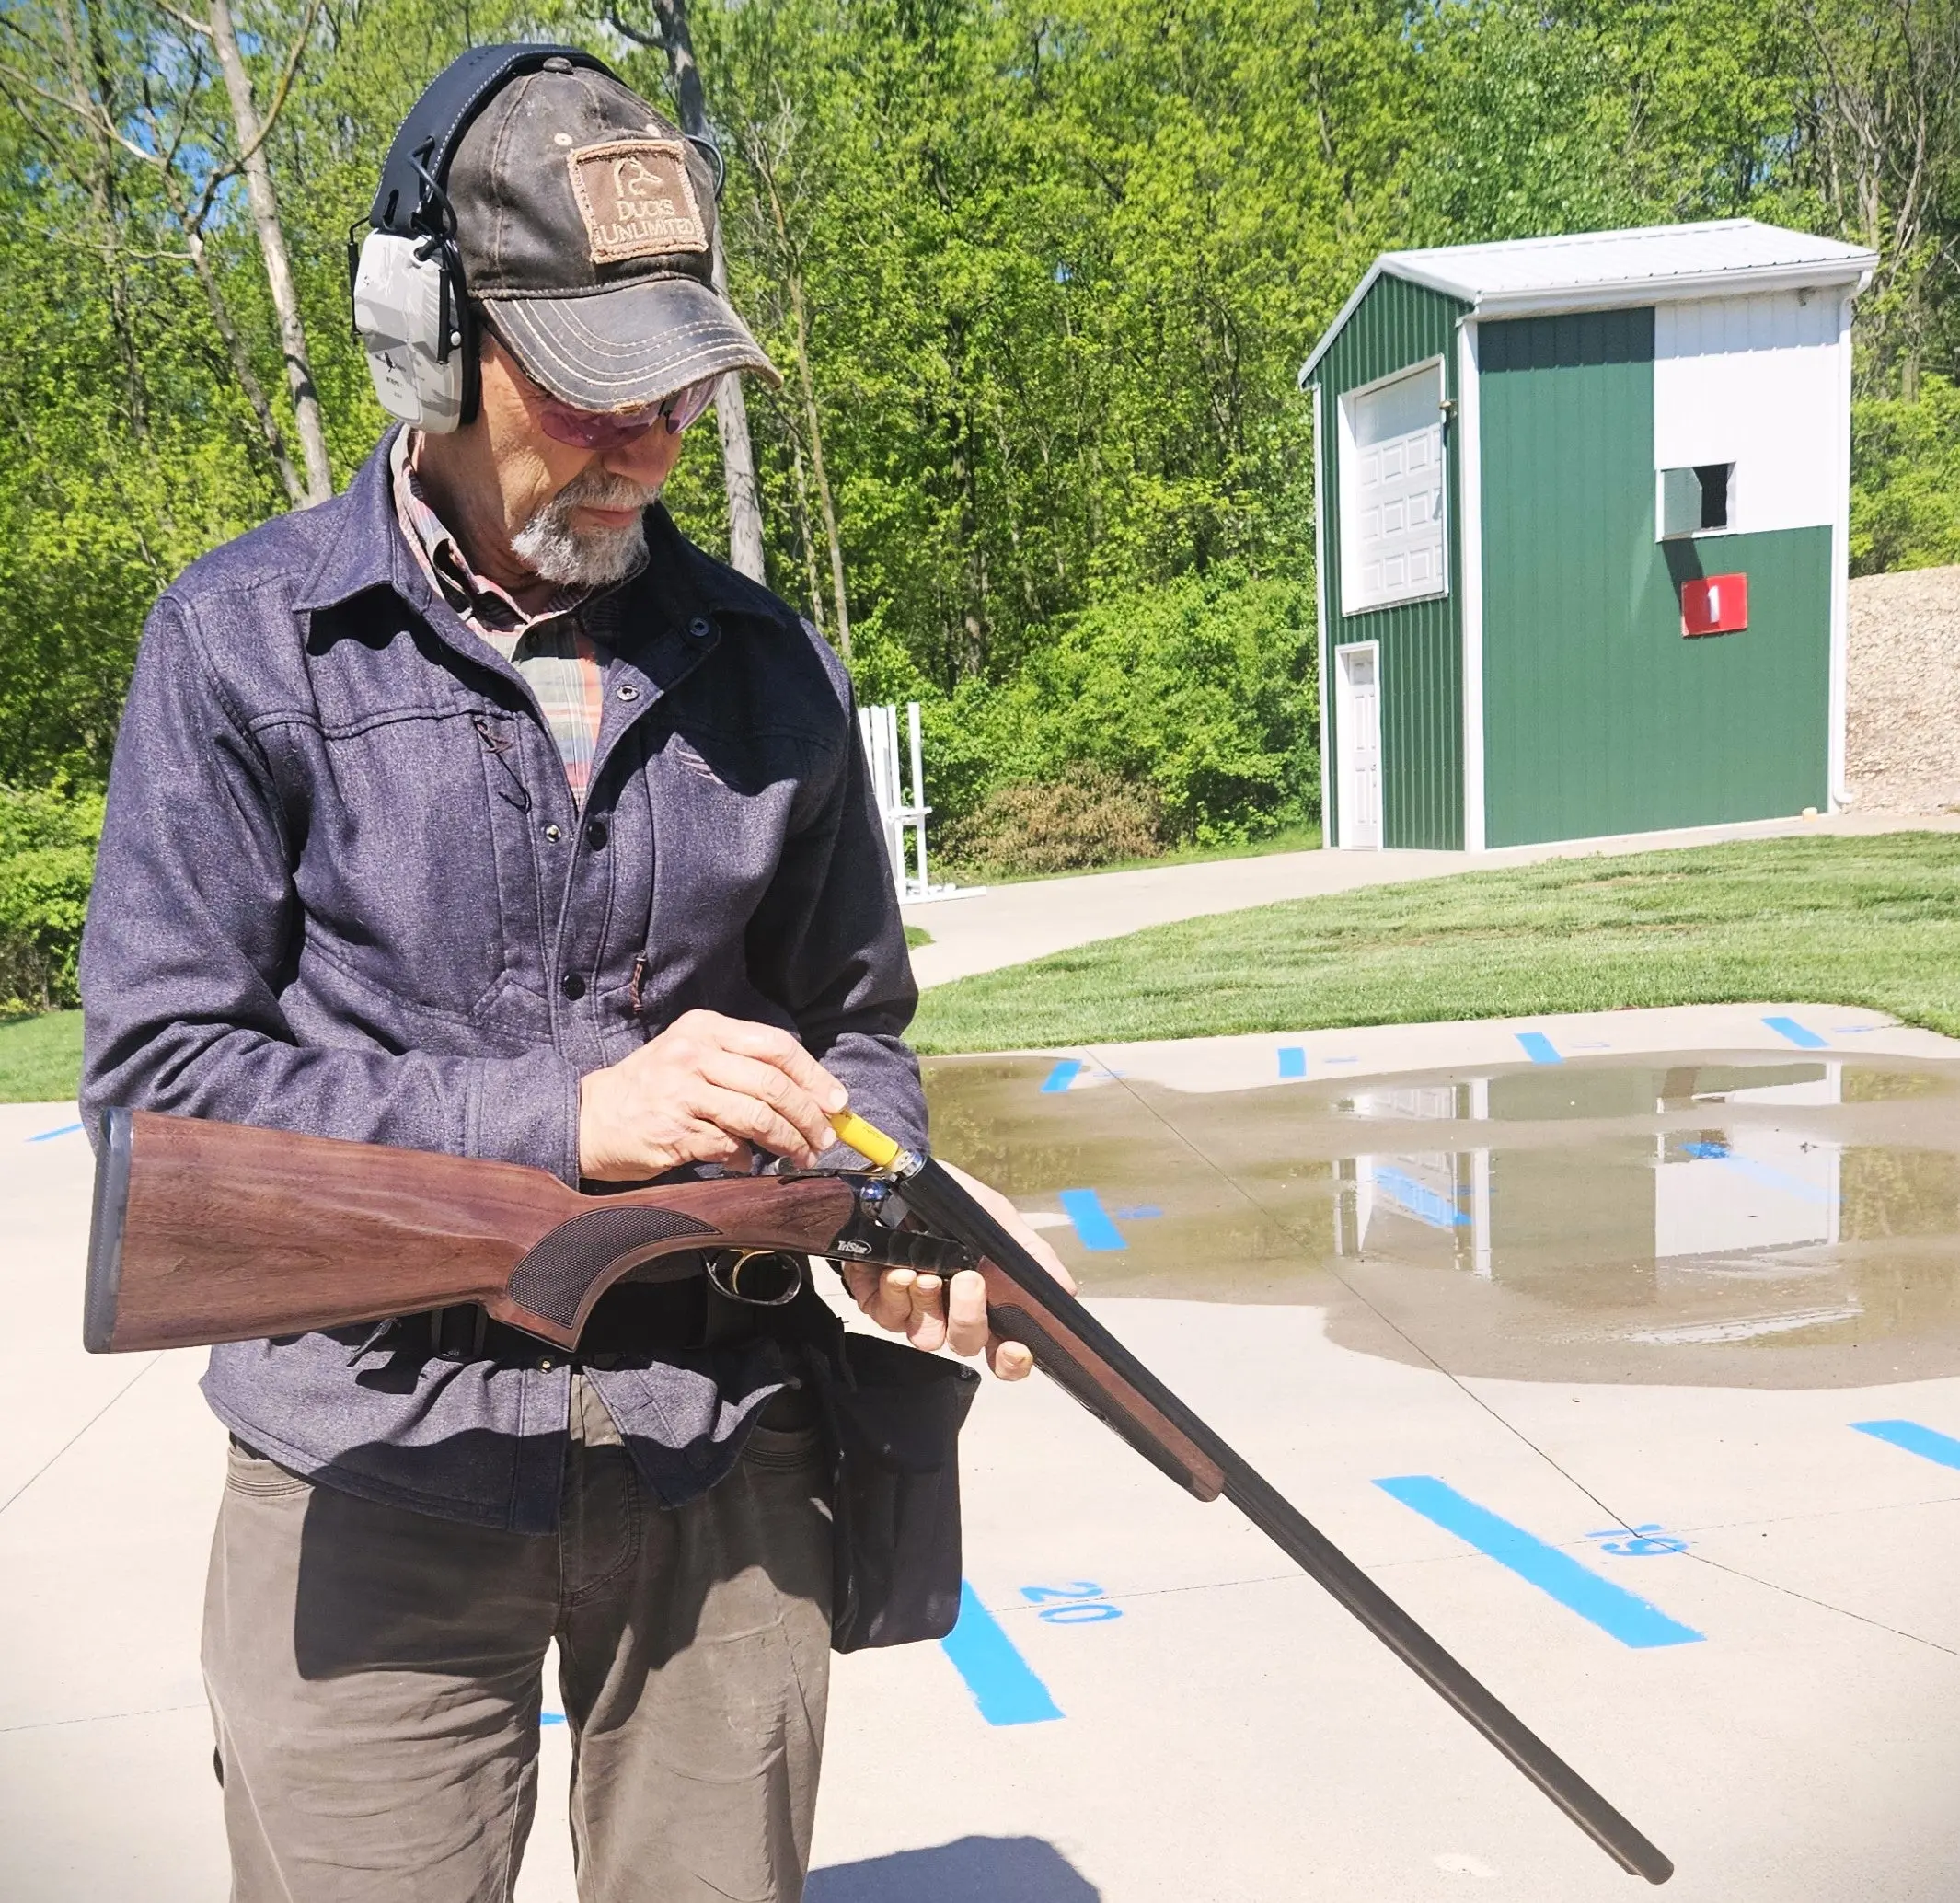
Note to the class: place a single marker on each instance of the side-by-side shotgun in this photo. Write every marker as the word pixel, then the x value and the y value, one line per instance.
pixel 208 1233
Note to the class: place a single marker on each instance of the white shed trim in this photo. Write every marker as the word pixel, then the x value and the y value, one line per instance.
pixel 1841 564
pixel 1321 637
pixel 1470 462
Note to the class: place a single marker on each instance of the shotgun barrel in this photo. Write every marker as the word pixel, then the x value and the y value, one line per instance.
pixel 1025 1303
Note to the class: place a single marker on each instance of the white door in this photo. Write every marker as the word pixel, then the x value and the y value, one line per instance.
pixel 1358 719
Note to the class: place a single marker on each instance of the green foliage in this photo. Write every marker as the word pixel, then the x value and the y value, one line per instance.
pixel 47 858
pixel 1202 690
pixel 1092 819
pixel 1906 479
pixel 1039 277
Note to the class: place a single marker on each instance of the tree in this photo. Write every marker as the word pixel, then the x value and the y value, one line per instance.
pixel 670 35
pixel 144 97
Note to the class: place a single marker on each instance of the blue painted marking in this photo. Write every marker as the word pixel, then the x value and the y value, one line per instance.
pixel 1093 1227
pixel 1292 1060
pixel 1063 1075
pixel 1760 1172
pixel 1922 1441
pixel 1538 1047
pixel 1797 1033
pixel 48 1135
pixel 551 1717
pixel 1611 1608
pixel 1000 1679
pixel 1139 1212
pixel 1416 1199
pixel 1639 1542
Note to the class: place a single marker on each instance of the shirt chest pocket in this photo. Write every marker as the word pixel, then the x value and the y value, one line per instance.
pixel 725 801
pixel 419 877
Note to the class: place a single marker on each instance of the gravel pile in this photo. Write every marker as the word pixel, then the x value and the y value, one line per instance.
pixel 1902 719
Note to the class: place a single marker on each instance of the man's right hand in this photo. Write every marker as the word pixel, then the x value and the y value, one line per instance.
pixel 708 1090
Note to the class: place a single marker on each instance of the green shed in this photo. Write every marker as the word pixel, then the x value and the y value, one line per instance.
pixel 1582 513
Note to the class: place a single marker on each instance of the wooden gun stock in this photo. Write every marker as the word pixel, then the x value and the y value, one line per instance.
pixel 212 1232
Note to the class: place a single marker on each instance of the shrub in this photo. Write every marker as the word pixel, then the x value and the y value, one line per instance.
pixel 1055 827
pixel 1202 690
pixel 47 858
pixel 1906 479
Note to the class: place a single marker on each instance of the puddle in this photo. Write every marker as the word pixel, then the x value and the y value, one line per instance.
pixel 1783 1224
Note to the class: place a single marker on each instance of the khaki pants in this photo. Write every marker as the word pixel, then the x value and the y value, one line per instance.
pixel 374 1676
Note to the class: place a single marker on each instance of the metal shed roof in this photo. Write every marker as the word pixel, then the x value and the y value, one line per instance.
pixel 1601 269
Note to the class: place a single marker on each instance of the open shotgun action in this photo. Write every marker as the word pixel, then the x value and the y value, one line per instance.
pixel 206 1232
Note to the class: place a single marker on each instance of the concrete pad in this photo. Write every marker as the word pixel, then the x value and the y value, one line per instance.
pixel 1228 1731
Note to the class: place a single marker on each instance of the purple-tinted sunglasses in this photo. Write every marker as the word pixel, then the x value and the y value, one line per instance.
pixel 591 429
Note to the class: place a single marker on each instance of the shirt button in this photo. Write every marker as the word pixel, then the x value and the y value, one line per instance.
pixel 572 985
pixel 626 691
pixel 552 833
pixel 546 1365
pixel 596 836
pixel 700 628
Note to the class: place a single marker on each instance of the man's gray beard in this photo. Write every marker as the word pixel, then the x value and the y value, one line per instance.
pixel 549 546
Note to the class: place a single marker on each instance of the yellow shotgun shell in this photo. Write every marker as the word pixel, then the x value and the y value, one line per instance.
pixel 865 1139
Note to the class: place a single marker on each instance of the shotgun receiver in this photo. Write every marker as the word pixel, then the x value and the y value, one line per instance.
pixel 207 1232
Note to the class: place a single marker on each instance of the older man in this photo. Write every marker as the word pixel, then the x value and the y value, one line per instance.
pixel 478 811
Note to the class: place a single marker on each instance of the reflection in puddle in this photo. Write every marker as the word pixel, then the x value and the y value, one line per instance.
pixel 1766 1223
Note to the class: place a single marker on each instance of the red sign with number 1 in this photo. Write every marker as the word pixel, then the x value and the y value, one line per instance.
pixel 1715 605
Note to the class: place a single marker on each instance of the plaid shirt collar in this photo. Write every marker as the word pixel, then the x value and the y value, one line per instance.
pixel 476 599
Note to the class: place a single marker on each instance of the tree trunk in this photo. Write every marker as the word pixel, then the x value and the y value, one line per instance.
pixel 807 388
pixel 102 198
pixel 804 537
pixel 731 415
pixel 241 364
pixel 308 421
pixel 738 460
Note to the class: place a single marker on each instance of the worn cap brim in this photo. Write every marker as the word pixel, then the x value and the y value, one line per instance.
pixel 631 345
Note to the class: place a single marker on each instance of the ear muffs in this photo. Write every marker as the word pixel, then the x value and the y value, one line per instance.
pixel 411 307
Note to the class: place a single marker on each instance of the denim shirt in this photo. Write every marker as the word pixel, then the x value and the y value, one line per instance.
pixel 343 888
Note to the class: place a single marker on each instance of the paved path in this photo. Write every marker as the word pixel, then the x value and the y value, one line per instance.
pixel 1011 924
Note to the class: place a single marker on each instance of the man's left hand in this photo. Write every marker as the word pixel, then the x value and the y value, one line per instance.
pixel 932 1312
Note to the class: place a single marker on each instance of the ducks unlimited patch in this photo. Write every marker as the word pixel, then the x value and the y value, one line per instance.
pixel 637 199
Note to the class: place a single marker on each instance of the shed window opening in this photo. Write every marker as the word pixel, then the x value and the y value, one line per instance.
pixel 1696 500
pixel 1391 516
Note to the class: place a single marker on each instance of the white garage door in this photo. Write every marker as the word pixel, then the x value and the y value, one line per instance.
pixel 1392 492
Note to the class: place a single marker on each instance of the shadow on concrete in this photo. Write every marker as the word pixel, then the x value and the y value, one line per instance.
pixel 972 1870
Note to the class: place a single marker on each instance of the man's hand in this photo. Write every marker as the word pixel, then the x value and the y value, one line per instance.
pixel 703 1092
pixel 931 1312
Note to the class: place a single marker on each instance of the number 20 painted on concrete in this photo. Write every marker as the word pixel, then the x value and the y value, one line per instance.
pixel 1082 1603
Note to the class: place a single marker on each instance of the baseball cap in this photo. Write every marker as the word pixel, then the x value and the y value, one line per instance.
pixel 586 223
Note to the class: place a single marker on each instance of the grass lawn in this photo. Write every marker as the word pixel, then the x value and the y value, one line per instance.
pixel 1857 921
pixel 917 935
pixel 41 1059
